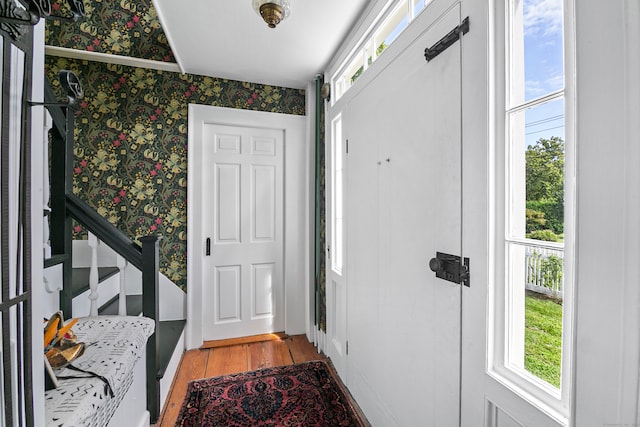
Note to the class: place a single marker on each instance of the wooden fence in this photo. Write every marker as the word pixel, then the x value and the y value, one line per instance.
pixel 543 270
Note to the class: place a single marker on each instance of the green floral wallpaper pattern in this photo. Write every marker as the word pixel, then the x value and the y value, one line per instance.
pixel 322 208
pixel 119 27
pixel 131 144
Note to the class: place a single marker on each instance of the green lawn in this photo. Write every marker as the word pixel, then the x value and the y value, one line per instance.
pixel 543 338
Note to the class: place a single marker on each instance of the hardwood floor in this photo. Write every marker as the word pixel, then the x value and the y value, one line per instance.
pixel 233 357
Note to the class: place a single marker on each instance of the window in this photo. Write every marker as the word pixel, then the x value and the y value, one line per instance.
pixel 532 309
pixel 336 192
pixel 382 33
pixel 391 27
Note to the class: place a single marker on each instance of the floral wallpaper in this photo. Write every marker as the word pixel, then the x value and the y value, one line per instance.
pixel 131 144
pixel 321 275
pixel 124 27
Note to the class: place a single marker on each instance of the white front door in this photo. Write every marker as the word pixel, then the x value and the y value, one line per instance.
pixel 243 224
pixel 403 204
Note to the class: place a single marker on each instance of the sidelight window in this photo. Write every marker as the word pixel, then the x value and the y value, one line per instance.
pixel 533 308
pixel 337 206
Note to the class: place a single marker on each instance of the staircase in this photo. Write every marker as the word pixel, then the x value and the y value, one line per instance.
pixel 108 274
pixel 113 274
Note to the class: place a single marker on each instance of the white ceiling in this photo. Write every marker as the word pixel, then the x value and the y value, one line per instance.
pixel 228 39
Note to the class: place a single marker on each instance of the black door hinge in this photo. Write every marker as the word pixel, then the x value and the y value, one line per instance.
pixel 442 45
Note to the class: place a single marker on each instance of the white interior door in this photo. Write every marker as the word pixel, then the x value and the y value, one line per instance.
pixel 243 222
pixel 404 191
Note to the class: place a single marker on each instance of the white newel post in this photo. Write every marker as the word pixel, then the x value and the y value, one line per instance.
pixel 93 275
pixel 122 300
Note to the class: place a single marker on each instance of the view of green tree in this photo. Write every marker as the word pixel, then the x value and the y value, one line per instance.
pixel 360 70
pixel 545 235
pixel 535 220
pixel 545 185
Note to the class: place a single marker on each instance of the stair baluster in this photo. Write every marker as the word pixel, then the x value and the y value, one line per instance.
pixel 121 263
pixel 93 275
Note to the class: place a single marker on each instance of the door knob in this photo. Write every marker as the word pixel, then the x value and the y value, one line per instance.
pixel 435 265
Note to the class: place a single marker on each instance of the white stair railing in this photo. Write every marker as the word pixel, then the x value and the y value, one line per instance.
pixel 93 275
pixel 122 300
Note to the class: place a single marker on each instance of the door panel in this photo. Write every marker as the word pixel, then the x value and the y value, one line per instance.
pixel 228 203
pixel 263 203
pixel 228 293
pixel 246 267
pixel 404 205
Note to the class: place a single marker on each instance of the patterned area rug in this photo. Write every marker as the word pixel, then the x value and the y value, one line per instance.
pixel 306 394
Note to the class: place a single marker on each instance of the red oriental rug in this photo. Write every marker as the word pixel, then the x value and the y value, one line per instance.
pixel 306 394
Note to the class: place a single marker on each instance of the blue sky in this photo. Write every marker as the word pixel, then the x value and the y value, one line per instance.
pixel 543 67
pixel 543 64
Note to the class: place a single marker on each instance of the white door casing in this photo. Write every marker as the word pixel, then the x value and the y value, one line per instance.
pixel 296 208
pixel 243 223
pixel 403 198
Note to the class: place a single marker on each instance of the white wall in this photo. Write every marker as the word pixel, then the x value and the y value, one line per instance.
pixel 608 212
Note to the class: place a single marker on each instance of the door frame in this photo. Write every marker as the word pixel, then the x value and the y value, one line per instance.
pixel 296 212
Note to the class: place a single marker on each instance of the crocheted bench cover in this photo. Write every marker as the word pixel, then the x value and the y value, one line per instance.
pixel 113 346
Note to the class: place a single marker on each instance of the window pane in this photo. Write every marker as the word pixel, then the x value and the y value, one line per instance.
pixel 535 300
pixel 535 248
pixel 536 49
pixel 354 70
pixel 337 196
pixel 537 171
pixel 418 5
pixel 392 27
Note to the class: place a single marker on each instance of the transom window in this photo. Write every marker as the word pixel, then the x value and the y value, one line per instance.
pixel 383 32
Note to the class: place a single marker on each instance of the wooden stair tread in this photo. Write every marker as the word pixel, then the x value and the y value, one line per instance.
pixel 55 260
pixel 169 332
pixel 80 277
pixel 134 306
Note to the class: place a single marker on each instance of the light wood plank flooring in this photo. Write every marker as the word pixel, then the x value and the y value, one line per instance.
pixel 234 357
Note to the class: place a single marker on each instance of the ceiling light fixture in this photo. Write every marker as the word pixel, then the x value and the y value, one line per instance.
pixel 272 11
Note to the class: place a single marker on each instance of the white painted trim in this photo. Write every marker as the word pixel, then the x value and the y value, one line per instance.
pixel 167 33
pixel 309 228
pixel 608 207
pixel 39 299
pixel 296 172
pixel 320 340
pixel 112 59
pixel 356 37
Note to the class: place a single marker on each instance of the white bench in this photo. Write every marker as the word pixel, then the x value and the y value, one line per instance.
pixel 115 349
